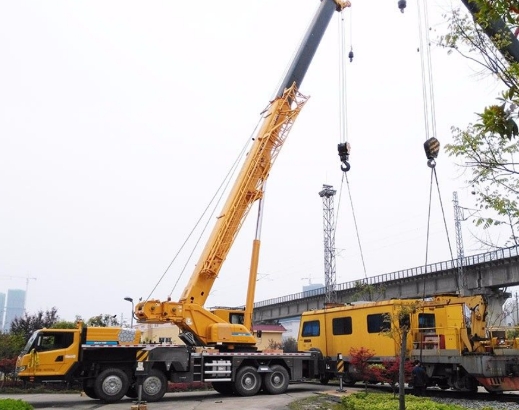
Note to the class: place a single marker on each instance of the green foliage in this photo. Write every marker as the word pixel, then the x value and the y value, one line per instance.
pixel 289 345
pixel 10 345
pixel 273 345
pixel 103 320
pixel 487 147
pixel 27 324
pixel 63 324
pixel 11 404
pixel 378 401
pixel 365 291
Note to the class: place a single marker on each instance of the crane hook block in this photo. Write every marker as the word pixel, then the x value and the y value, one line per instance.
pixel 432 149
pixel 350 55
pixel 344 154
pixel 402 5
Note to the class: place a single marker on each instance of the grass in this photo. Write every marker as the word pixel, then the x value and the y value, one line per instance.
pixel 370 401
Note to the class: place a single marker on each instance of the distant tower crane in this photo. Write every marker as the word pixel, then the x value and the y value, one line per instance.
pixel 327 195
pixel 458 218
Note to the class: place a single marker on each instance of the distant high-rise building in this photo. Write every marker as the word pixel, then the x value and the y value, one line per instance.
pixel 2 311
pixel 14 307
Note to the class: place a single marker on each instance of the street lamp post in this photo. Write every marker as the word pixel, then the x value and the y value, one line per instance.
pixel 129 299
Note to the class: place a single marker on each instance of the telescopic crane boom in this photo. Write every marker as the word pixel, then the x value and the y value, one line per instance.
pixel 200 326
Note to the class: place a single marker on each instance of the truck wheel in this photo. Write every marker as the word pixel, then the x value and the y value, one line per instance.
pixel 132 392
pixel 154 386
pixel 111 385
pixel 89 391
pixel 248 381
pixel 276 382
pixel 324 380
pixel 224 388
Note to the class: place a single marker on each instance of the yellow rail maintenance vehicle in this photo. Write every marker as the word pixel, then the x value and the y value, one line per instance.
pixel 448 334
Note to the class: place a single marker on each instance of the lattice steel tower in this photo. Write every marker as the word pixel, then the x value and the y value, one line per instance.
pixel 327 194
pixel 458 218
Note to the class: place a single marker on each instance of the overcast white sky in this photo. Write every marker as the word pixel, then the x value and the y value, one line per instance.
pixel 119 119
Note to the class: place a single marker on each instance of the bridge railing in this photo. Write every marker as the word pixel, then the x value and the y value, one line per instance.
pixel 498 254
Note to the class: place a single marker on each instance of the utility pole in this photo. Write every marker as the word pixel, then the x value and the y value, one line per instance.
pixel 327 194
pixel 458 218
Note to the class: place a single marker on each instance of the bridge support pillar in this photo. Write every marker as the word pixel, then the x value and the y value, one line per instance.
pixel 496 298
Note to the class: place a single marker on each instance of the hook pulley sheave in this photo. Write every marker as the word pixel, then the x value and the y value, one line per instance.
pixel 432 149
pixel 344 154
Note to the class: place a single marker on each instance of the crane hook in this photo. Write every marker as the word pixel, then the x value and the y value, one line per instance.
pixel 402 5
pixel 344 155
pixel 432 148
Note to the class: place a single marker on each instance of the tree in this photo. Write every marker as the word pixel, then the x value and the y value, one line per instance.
pixel 63 324
pixel 10 345
pixel 360 360
pixel 27 324
pixel 400 325
pixel 391 372
pixel 289 345
pixel 365 291
pixel 102 320
pixel 487 147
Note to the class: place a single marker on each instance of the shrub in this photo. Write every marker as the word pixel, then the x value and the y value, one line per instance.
pixel 11 404
pixel 377 401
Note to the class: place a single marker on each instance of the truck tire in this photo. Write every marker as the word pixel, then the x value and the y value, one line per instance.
pixel 132 392
pixel 247 382
pixel 224 388
pixel 111 385
pixel 89 391
pixel 324 379
pixel 154 386
pixel 276 382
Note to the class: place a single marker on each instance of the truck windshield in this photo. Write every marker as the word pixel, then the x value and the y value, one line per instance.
pixel 30 342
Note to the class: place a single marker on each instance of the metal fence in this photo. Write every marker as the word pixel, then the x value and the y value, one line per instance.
pixel 498 254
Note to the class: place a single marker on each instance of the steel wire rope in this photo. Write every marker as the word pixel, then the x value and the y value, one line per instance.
pixel 343 115
pixel 220 190
pixel 429 111
pixel 428 97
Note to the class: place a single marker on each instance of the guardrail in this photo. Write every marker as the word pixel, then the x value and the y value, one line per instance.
pixel 499 254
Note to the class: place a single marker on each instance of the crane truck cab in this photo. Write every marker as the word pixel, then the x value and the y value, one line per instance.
pixel 56 352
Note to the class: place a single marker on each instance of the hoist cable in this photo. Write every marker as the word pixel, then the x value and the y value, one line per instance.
pixel 428 230
pixel 221 190
pixel 343 105
pixel 345 175
pixel 423 47
pixel 227 180
pixel 445 222
pixel 430 70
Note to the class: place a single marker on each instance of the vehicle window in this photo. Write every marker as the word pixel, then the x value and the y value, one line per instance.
pixel 378 323
pixel 237 318
pixel 310 329
pixel 53 341
pixel 342 326
pixel 426 321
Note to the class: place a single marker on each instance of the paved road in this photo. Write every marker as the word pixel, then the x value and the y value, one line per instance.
pixel 202 400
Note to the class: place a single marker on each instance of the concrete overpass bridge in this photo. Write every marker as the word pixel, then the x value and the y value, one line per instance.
pixel 486 273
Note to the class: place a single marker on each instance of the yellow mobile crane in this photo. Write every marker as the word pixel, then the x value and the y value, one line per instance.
pixel 219 328
pixel 115 365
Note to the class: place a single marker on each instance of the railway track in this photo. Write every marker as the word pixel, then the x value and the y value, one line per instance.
pixel 480 399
